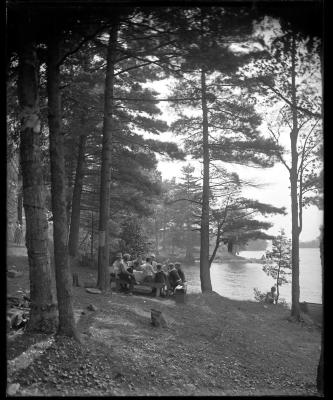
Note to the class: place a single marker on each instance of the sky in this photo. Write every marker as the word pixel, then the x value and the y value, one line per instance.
pixel 275 191
pixel 274 182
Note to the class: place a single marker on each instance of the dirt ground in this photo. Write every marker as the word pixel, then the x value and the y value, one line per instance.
pixel 211 346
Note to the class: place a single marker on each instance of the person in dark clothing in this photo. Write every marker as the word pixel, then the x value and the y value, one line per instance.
pixel 160 277
pixel 180 272
pixel 174 278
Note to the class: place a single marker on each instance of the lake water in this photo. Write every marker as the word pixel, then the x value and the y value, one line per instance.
pixel 236 280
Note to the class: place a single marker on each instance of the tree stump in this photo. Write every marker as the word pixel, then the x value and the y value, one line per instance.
pixel 157 318
pixel 75 279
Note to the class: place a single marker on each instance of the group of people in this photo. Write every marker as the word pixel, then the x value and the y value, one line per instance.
pixel 138 271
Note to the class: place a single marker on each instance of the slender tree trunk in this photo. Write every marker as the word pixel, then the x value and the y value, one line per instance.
pixel 43 311
pixel 20 200
pixel 104 212
pixel 295 290
pixel 277 285
pixel 206 284
pixel 217 245
pixel 76 200
pixel 163 233
pixel 156 236
pixel 92 238
pixel 58 191
pixel 320 368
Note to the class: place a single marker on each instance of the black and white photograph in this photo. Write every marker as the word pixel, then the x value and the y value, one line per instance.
pixel 165 198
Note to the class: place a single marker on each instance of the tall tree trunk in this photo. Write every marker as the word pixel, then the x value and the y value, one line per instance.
pixel 164 245
pixel 104 211
pixel 320 368
pixel 156 225
pixel 58 190
pixel 277 284
pixel 217 244
pixel 20 199
pixel 76 200
pixel 43 311
pixel 92 239
pixel 206 284
pixel 295 290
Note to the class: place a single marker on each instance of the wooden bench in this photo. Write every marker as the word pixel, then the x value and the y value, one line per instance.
pixel 153 285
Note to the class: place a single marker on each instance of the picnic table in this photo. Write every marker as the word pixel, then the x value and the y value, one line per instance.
pixel 153 285
pixel 142 284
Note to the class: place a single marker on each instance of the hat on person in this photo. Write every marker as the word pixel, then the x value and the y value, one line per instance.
pixel 153 255
pixel 119 255
pixel 127 256
pixel 177 264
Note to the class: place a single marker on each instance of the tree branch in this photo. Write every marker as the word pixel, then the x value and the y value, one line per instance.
pixel 299 108
pixel 77 48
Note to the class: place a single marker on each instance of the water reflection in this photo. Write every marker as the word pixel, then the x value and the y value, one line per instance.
pixel 236 280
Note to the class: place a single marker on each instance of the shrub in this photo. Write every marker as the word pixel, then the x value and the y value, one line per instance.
pixel 259 296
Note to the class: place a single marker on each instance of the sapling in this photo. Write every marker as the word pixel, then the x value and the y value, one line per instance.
pixel 278 261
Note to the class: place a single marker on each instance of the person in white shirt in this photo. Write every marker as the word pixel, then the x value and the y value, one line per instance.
pixel 148 271
pixel 125 274
pixel 114 269
pixel 153 260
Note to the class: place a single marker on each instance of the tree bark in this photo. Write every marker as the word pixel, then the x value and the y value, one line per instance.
pixel 277 284
pixel 217 244
pixel 76 200
pixel 43 312
pixel 20 200
pixel 92 239
pixel 295 290
pixel 58 190
pixel 157 235
pixel 104 212
pixel 206 284
pixel 320 368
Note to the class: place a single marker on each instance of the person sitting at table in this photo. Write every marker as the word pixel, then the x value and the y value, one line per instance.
pixel 160 277
pixel 137 263
pixel 128 263
pixel 126 276
pixel 180 272
pixel 153 260
pixel 148 271
pixel 173 277
pixel 115 268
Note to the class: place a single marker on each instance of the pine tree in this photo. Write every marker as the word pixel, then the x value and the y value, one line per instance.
pixel 278 261
pixel 58 187
pixel 220 123
pixel 289 75
pixel 235 221
pixel 43 314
